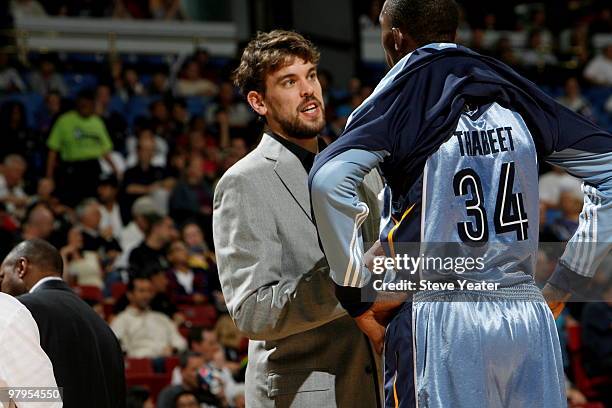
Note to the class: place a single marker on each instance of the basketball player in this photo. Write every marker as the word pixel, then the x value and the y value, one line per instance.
pixel 457 136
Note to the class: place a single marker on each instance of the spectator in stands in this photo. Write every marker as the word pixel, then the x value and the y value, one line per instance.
pixel 48 112
pixel 505 52
pixel 200 256
pixel 204 342
pixel 132 84
pixel 96 239
pixel 166 9
pixel 599 69
pixel 369 19
pixel 553 183
pixel 45 196
pixel 190 366
pixel 191 82
pixel 81 267
pixel 537 55
pixel 570 202
pixel 108 188
pixel 151 254
pixel 80 138
pixel 573 99
pixel 186 399
pixel 134 232
pixel 597 338
pixel 17 138
pixel 115 123
pixel 537 21
pixel 27 8
pixel 236 151
pixel 10 80
pixel 238 113
pixel 477 41
pixel 161 302
pixel 602 18
pixel 114 77
pixel 148 176
pixel 139 397
pixel 202 57
pixel 40 223
pixel 12 194
pixel 161 122
pixel 192 196
pixel 159 85
pixel 187 285
pixel 46 79
pixel 145 129
pixel 138 9
pixel 142 332
pixel 179 117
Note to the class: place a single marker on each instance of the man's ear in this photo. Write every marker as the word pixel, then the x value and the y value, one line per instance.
pixel 21 267
pixel 398 39
pixel 256 101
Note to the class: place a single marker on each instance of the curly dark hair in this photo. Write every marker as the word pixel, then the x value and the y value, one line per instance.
pixel 267 53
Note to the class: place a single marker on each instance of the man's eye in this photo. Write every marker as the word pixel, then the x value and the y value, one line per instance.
pixel 289 82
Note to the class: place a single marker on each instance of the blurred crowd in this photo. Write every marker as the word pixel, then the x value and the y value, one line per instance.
pixel 117 169
pixel 124 9
pixel 550 42
pixel 114 161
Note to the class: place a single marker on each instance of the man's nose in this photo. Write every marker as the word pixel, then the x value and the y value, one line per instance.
pixel 307 88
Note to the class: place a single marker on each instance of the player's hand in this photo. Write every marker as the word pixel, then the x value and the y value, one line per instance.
pixel 376 318
pixel 375 331
pixel 374 252
pixel 555 298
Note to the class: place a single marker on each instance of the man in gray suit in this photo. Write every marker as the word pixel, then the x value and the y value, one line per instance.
pixel 304 350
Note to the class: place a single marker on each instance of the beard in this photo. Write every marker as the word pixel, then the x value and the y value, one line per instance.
pixel 300 129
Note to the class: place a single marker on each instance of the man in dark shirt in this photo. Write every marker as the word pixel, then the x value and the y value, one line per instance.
pixel 144 178
pixel 95 239
pixel 151 254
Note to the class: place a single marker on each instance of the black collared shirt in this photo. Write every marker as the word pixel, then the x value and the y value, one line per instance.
pixel 305 157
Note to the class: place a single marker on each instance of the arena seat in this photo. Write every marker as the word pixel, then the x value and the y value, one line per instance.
pixel 91 293
pixel 585 384
pixel 200 315
pixel 77 82
pixel 170 363
pixel 153 382
pixel 138 366
pixel 118 289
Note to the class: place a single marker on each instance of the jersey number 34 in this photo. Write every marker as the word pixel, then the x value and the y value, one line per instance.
pixel 510 215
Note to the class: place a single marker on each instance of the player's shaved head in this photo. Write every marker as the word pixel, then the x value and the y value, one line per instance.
pixel 40 254
pixel 426 21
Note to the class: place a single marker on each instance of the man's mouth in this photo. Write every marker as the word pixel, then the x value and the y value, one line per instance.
pixel 310 107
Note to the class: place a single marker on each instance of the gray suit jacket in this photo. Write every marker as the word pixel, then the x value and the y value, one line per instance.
pixel 304 350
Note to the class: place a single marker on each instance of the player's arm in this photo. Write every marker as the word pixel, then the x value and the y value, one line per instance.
pixel 339 213
pixel 585 151
pixel 264 302
pixel 592 241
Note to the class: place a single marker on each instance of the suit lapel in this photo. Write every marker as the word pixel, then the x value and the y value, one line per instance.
pixel 290 171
